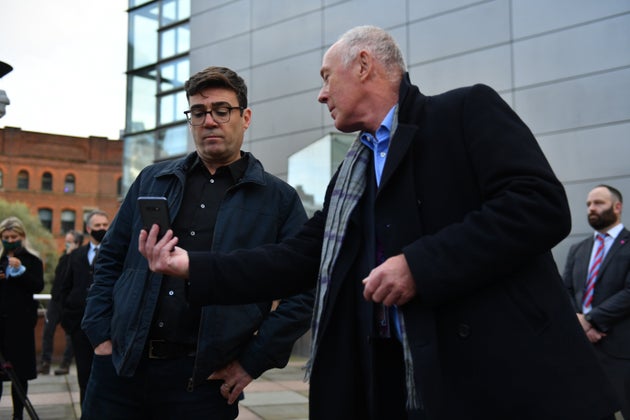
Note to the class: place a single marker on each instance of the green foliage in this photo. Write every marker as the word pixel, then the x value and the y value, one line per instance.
pixel 39 237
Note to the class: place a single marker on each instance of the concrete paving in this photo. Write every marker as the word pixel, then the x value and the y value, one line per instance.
pixel 279 394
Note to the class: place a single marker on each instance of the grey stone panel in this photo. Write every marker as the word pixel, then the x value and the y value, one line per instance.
pixel 532 17
pixel 233 53
pixel 490 66
pixel 285 115
pixel 588 154
pixel 267 12
pixel 483 26
pixel 287 38
pixel 286 77
pixel 220 23
pixel 579 50
pixel 426 8
pixel 592 100
pixel 333 2
pixel 204 5
pixel 343 16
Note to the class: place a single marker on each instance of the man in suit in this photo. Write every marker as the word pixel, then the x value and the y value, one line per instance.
pixel 73 240
pixel 438 297
pixel 597 277
pixel 76 283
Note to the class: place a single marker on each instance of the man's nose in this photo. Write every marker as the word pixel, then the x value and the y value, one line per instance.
pixel 322 97
pixel 209 120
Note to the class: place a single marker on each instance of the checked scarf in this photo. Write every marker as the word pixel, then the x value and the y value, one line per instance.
pixel 349 187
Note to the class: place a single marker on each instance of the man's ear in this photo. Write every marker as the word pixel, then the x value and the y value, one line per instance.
pixel 365 64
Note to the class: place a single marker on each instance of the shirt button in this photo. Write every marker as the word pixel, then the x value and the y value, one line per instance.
pixel 212 181
pixel 203 206
pixel 383 154
pixel 192 233
pixel 160 324
pixel 463 331
pixel 171 293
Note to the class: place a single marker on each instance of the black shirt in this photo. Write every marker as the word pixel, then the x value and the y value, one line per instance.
pixel 175 320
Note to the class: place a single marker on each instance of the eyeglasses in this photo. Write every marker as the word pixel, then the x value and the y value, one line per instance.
pixel 220 115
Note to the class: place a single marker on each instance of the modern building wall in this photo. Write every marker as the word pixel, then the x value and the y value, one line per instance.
pixel 95 164
pixel 563 65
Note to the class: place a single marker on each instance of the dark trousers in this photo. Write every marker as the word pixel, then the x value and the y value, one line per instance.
pixel 158 390
pixel 83 355
pixel 618 372
pixel 53 318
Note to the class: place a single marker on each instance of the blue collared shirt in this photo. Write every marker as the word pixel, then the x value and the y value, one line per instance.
pixel 380 147
pixel 380 144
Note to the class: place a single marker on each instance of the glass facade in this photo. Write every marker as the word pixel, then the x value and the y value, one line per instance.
pixel 157 67
pixel 566 74
pixel 311 168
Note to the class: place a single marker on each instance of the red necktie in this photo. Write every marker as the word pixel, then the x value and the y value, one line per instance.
pixel 592 273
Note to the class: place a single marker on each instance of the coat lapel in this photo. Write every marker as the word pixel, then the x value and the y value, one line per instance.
pixel 620 241
pixel 399 145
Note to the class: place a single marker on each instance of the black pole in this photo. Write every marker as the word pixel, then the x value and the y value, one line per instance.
pixel 7 367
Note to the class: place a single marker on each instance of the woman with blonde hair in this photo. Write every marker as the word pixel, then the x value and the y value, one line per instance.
pixel 21 275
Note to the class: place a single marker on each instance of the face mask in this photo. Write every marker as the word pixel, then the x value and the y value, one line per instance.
pixel 98 235
pixel 68 246
pixel 11 246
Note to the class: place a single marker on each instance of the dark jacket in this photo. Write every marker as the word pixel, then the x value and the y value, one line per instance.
pixel 77 279
pixel 611 298
pixel 18 313
pixel 469 198
pixel 259 209
pixel 60 271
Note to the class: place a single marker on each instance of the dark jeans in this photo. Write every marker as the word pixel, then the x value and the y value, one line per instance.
pixel 53 318
pixel 158 390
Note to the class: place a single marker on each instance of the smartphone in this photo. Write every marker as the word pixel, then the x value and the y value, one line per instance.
pixel 154 211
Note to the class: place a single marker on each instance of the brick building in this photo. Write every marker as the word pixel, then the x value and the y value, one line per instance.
pixel 61 178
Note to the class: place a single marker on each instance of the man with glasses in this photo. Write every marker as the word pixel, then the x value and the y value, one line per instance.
pixel 154 350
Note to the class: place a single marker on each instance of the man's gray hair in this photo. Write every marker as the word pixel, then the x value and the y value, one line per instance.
pixel 379 43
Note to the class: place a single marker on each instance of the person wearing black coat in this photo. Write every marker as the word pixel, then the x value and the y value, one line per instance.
pixel 74 290
pixel 21 275
pixel 438 297
pixel 73 240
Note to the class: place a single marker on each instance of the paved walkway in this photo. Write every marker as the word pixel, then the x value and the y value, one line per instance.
pixel 279 394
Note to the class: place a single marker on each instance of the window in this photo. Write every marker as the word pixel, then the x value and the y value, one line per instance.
pixel 175 40
pixel 119 186
pixel 22 180
pixel 68 220
pixel 68 186
pixel 47 180
pixel 1 179
pixel 45 218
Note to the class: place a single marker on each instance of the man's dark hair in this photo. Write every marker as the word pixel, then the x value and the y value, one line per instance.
pixel 614 191
pixel 221 77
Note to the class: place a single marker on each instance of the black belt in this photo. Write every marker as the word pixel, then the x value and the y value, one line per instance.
pixel 162 349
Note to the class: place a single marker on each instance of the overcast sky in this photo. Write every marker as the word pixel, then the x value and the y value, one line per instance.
pixel 69 60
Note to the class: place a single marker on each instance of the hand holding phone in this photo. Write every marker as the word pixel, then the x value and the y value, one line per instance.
pixel 154 211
